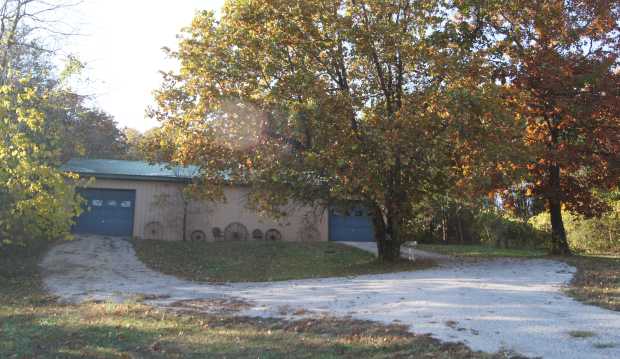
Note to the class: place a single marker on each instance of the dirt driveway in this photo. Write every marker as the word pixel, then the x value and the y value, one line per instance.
pixel 493 305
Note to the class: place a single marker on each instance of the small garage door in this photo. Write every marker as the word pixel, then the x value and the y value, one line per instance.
pixel 354 225
pixel 106 212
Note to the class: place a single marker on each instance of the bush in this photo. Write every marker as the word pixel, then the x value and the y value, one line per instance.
pixel 588 235
pixel 506 232
pixel 450 224
pixel 475 226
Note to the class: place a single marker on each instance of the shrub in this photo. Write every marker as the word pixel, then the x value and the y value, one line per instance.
pixel 476 226
pixel 588 235
pixel 506 232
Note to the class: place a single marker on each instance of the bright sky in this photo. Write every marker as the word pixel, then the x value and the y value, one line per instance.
pixel 121 43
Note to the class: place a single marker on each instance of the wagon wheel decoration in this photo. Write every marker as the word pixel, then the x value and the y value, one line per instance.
pixel 257 234
pixel 154 230
pixel 236 232
pixel 273 235
pixel 198 235
pixel 310 234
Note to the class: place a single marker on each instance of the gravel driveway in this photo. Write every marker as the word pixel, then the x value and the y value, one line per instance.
pixel 492 305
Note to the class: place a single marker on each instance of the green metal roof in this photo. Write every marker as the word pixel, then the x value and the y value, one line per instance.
pixel 121 169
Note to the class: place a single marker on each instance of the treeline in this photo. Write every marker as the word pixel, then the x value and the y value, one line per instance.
pixel 488 222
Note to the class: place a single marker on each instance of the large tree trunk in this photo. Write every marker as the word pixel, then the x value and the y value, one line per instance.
pixel 388 247
pixel 559 243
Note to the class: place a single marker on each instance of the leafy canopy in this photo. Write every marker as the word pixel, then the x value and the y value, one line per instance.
pixel 378 102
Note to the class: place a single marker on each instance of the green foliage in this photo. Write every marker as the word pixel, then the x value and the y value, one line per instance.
pixel 443 219
pixel 455 222
pixel 88 132
pixel 84 130
pixel 502 231
pixel 137 144
pixel 596 235
pixel 36 198
pixel 478 250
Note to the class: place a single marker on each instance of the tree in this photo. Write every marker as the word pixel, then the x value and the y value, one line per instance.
pixel 26 26
pixel 134 140
pixel 186 193
pixel 145 146
pixel 561 59
pixel 25 54
pixel 86 131
pixel 37 198
pixel 329 102
pixel 90 132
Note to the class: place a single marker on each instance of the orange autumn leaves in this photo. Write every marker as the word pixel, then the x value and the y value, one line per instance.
pixel 391 103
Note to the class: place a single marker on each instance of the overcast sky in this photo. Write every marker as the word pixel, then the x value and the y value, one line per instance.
pixel 121 41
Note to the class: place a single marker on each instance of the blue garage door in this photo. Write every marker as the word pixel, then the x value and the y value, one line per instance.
pixel 106 212
pixel 354 225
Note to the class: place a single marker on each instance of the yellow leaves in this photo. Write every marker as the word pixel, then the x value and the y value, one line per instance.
pixel 323 55
pixel 39 200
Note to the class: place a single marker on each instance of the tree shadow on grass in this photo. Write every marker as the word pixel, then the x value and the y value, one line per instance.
pixel 199 336
pixel 44 336
pixel 326 337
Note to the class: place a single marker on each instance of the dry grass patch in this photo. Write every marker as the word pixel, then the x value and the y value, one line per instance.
pixel 209 306
pixel 597 280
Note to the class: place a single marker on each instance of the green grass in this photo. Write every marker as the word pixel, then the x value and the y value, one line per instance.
pixel 481 251
pixel 256 261
pixel 35 325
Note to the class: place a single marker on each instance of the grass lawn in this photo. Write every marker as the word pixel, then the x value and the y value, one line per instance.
pixel 35 325
pixel 256 261
pixel 596 282
pixel 480 251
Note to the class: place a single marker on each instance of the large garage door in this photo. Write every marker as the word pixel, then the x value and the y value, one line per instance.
pixel 107 212
pixel 354 225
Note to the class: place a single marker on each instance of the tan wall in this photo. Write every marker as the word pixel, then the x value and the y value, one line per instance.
pixel 160 202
